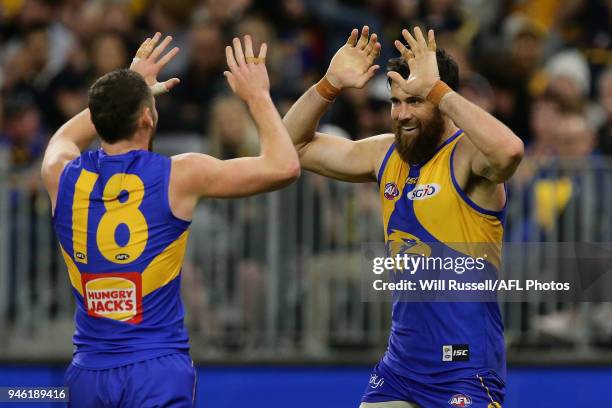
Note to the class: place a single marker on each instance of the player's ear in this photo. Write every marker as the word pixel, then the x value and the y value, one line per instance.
pixel 147 118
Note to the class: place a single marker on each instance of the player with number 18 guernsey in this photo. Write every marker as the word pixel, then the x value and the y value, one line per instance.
pixel 124 250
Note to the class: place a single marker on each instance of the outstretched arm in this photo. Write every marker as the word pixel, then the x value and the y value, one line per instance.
pixel 351 67
pixel 79 132
pixel 197 175
pixel 493 151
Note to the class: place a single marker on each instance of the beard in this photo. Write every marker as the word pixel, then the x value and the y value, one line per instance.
pixel 420 148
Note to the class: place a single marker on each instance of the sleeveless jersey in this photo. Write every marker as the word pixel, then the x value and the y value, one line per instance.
pixel 424 204
pixel 124 249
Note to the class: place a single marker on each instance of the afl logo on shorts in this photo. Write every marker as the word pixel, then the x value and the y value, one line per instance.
pixel 391 191
pixel 116 296
pixel 460 400
pixel 424 191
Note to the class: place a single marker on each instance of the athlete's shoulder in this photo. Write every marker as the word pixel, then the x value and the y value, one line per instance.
pixel 381 147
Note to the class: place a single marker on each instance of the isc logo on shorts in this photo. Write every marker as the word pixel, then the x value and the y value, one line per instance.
pixel 424 191
pixel 116 296
pixel 456 352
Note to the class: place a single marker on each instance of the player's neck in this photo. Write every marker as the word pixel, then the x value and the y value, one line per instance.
pixel 449 130
pixel 137 142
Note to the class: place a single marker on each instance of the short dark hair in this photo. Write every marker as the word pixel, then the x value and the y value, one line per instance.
pixel 447 67
pixel 115 101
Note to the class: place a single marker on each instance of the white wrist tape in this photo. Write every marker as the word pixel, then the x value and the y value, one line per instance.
pixel 158 88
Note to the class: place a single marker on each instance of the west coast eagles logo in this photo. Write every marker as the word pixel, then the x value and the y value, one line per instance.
pixel 391 191
pixel 400 242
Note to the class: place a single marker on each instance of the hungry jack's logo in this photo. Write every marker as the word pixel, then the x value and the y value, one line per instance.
pixel 115 295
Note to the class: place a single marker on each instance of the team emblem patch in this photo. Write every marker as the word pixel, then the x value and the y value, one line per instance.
pixel 423 191
pixel 391 191
pixel 460 400
pixel 116 296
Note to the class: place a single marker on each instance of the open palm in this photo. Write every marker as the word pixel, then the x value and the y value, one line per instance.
pixel 421 58
pixel 351 66
pixel 148 62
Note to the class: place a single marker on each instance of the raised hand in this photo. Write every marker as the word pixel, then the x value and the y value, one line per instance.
pixel 421 58
pixel 248 76
pixel 351 66
pixel 146 63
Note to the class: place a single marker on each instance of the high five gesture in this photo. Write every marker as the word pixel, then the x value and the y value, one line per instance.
pixel 248 76
pixel 148 63
pixel 421 59
pixel 352 65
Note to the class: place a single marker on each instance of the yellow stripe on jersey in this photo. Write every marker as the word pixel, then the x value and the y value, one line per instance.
pixel 80 214
pixel 73 272
pixel 166 266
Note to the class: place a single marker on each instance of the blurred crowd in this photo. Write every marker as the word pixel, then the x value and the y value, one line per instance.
pixel 544 67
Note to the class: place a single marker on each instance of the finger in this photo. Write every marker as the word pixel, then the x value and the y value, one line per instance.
pixel 160 48
pixel 373 38
pixel 231 61
pixel 409 39
pixel 406 53
pixel 369 74
pixel 376 51
pixel 352 40
pixel 248 46
pixel 420 39
pixel 395 77
pixel 168 57
pixel 230 80
pixel 140 53
pixel 152 43
pixel 432 41
pixel 238 52
pixel 171 83
pixel 363 39
pixel 263 50
pixel 144 44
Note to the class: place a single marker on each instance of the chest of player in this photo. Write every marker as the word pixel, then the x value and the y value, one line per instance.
pixel 421 191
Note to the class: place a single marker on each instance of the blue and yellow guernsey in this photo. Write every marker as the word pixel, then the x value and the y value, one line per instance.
pixel 124 249
pixel 425 209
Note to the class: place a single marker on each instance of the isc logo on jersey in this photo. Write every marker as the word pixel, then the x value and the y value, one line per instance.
pixel 116 296
pixel 424 191
pixel 460 400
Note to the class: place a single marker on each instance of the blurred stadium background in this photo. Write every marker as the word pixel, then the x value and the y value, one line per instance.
pixel 271 283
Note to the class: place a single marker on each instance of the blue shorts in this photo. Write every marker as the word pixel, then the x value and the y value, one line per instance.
pixel 166 381
pixel 483 391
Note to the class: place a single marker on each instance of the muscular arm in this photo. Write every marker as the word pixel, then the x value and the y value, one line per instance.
pixel 329 155
pixel 342 159
pixel 495 151
pixel 492 151
pixel 200 175
pixel 197 175
pixel 79 132
pixel 65 145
